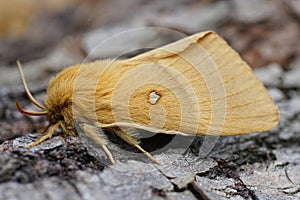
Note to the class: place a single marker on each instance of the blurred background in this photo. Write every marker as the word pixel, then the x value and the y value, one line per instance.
pixel 263 31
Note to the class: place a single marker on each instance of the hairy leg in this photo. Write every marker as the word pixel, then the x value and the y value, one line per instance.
pixel 132 141
pixel 93 133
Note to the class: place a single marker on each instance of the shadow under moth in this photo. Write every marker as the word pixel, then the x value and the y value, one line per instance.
pixel 195 86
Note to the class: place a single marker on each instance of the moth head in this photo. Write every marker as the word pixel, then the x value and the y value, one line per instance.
pixel 62 114
pixel 56 113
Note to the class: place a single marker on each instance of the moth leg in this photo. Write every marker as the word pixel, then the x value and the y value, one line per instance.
pixel 43 138
pixel 90 130
pixel 43 130
pixel 130 140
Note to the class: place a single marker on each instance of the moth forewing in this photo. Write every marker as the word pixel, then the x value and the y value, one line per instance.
pixel 231 99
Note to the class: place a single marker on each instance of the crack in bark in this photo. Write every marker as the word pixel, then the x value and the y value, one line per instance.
pixel 197 191
pixel 223 169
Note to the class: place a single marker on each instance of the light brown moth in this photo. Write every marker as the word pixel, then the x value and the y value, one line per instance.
pixel 195 86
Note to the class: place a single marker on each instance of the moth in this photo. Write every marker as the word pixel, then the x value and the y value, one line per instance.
pixel 195 86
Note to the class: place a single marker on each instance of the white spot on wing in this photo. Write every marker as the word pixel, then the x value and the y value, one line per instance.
pixel 153 97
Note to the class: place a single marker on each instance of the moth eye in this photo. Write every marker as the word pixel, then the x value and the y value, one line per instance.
pixel 153 97
pixel 58 117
